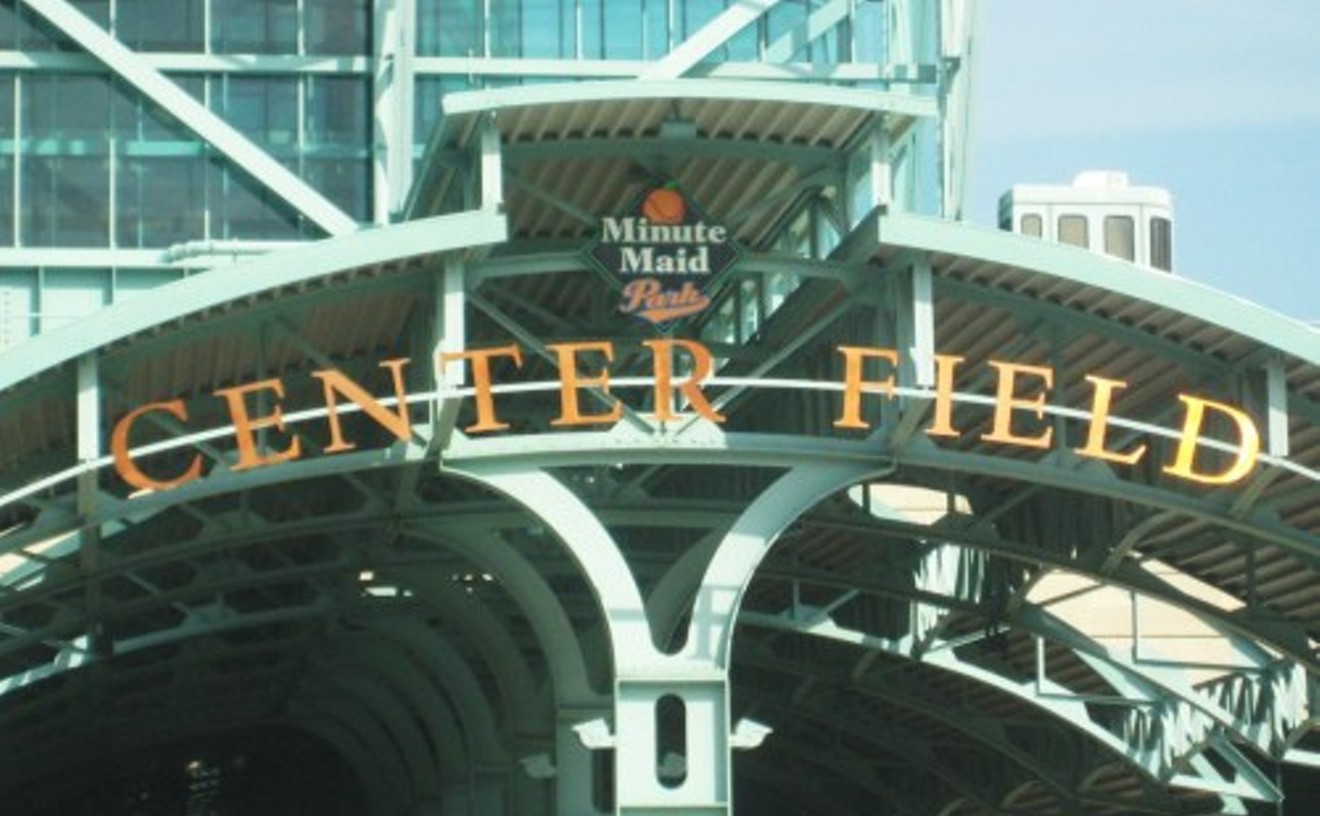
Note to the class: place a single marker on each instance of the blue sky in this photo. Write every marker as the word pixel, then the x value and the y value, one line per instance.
pixel 1216 100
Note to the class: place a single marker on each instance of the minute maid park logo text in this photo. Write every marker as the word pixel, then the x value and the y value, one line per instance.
pixel 665 254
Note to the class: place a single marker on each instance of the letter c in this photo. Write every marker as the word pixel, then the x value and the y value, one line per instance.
pixel 124 464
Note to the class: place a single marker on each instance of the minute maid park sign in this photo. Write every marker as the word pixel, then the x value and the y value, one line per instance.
pixel 665 255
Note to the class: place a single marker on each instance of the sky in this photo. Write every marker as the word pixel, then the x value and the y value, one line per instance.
pixel 1217 101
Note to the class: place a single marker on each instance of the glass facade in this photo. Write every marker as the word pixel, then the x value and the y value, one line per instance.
pixel 91 162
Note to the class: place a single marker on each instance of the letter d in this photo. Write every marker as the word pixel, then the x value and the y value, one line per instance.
pixel 1184 461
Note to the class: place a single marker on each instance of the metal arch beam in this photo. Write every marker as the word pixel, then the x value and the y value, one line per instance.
pixel 978 728
pixel 1048 696
pixel 545 615
pixel 857 774
pixel 215 131
pixel 1256 524
pixel 710 633
pixel 904 746
pixel 470 102
pixel 402 728
pixel 494 643
pixel 46 706
pixel 451 672
pixel 567 669
pixel 426 701
pixel 590 544
pixel 769 449
pixel 733 448
pixel 1259 706
pixel 780 451
pixel 1105 274
pixel 240 281
pixel 671 596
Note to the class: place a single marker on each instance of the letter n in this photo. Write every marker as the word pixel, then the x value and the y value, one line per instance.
pixel 336 383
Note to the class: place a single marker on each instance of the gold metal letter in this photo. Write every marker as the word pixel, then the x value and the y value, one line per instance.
pixel 663 350
pixel 1006 402
pixel 570 382
pixel 854 385
pixel 244 425
pixel 1095 435
pixel 334 380
pixel 124 464
pixel 479 359
pixel 1247 453
pixel 942 425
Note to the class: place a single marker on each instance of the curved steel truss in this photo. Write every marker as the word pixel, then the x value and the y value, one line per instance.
pixel 756 594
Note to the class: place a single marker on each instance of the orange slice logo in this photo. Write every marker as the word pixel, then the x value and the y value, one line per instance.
pixel 664 206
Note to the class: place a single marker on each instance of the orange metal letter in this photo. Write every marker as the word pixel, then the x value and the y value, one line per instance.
pixel 480 362
pixel 334 381
pixel 570 382
pixel 854 385
pixel 1006 402
pixel 1095 436
pixel 248 455
pixel 942 425
pixel 1184 459
pixel 124 464
pixel 691 387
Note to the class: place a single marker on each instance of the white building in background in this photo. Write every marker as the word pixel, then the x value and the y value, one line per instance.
pixel 1100 211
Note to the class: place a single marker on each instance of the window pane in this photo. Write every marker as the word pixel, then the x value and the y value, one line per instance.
pixel 160 25
pixel 70 106
pixel 242 209
pixel 263 108
pixel 8 24
pixel 6 199
pixel 6 106
pixel 65 201
pixel 1120 238
pixel 1072 230
pixel 159 200
pixel 1161 243
pixel 623 31
pixel 549 28
pixel 449 28
pixel 1033 225
pixel 506 28
pixel 254 26
pixel 337 111
pixel 346 182
pixel 97 10
pixel 337 26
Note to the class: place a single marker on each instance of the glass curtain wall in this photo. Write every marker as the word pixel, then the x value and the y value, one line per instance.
pixel 88 163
